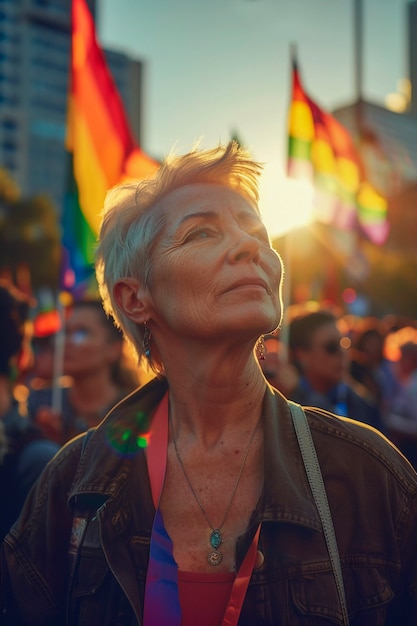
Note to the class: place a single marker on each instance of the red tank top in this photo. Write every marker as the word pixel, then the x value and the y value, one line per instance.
pixel 204 597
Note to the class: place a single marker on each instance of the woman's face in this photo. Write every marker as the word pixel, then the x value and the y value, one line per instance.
pixel 213 270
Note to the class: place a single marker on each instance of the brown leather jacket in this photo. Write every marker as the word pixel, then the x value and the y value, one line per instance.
pixel 372 491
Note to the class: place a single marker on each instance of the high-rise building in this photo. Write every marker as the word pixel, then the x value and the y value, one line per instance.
pixel 412 53
pixel 34 71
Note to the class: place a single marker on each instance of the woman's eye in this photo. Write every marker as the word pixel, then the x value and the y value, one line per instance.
pixel 202 234
pixel 199 233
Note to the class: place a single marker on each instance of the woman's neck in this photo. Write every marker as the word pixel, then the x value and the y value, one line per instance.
pixel 208 403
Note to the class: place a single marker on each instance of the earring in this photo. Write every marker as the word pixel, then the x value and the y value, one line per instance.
pixel 146 342
pixel 260 346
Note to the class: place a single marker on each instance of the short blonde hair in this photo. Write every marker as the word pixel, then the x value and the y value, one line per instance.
pixel 133 219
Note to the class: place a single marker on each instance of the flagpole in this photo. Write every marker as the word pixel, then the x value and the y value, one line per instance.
pixel 359 114
pixel 358 64
pixel 358 48
pixel 286 283
pixel 58 360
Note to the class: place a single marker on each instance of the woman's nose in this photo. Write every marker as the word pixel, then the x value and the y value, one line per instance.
pixel 244 247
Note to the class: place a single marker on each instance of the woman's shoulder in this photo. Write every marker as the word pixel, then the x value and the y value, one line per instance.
pixel 63 463
pixel 98 452
pixel 133 414
pixel 343 441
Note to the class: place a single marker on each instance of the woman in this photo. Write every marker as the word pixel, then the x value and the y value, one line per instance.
pixel 189 504
pixel 93 358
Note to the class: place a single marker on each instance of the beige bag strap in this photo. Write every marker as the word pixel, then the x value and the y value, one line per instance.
pixel 312 467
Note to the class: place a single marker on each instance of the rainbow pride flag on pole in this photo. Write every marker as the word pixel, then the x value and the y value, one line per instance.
pixel 102 148
pixel 321 151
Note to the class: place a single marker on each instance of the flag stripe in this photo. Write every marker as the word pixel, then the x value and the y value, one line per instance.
pixel 299 148
pixel 99 139
pixel 90 177
pixel 110 149
pixel 102 143
pixel 90 71
pixel 342 193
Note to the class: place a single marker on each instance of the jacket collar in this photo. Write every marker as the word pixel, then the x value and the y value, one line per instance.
pixel 287 495
pixel 115 445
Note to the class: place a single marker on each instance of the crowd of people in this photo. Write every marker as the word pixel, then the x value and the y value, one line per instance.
pixel 24 450
pixel 365 368
pixel 191 499
pixel 39 410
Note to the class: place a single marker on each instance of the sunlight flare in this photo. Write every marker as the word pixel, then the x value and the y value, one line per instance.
pixel 285 203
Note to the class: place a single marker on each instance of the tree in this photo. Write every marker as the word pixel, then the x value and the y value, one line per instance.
pixel 29 234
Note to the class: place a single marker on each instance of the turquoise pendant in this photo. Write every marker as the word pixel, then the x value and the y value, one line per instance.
pixel 215 557
pixel 216 538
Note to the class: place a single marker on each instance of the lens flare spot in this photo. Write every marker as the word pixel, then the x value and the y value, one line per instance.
pixel 129 435
pixel 143 441
pixel 126 435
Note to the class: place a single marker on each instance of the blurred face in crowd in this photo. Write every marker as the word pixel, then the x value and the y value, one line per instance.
pixel 324 362
pixel 407 363
pixel 88 345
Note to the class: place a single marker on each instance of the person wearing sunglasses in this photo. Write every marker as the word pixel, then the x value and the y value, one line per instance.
pixel 317 348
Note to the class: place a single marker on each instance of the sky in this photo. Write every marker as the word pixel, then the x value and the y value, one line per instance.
pixel 217 67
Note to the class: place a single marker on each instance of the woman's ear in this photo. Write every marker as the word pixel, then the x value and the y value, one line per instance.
pixel 129 294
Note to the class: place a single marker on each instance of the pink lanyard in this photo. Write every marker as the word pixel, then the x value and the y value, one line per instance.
pixel 157 456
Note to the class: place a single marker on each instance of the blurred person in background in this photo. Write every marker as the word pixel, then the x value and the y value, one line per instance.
pixel 94 360
pixel 24 451
pixel 316 348
pixel 370 368
pixel 402 418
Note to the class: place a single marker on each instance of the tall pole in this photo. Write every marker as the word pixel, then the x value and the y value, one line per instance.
pixel 358 47
pixel 359 106
pixel 358 56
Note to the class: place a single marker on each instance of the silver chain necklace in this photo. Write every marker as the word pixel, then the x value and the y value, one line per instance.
pixel 215 557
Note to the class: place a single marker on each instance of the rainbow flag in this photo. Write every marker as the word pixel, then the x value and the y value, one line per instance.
pixel 321 150
pixel 102 148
